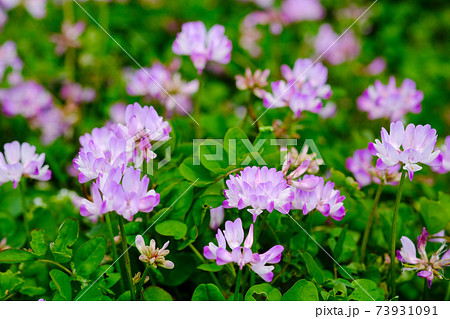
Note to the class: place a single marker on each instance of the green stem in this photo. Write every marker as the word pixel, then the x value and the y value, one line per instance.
pixel 56 264
pixel 369 222
pixel 394 232
pixel 24 209
pixel 199 256
pixel 447 295
pixel 260 227
pixel 141 282
pixel 238 285
pixel 426 290
pixel 69 57
pixel 309 230
pixel 197 104
pixel 114 248
pixel 127 258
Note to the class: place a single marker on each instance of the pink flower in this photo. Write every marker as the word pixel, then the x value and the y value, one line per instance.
pixel 334 51
pixel 324 198
pixel 409 146
pixel 426 268
pixel 125 194
pixel 377 66
pixel 9 58
pixel 202 45
pixel 69 37
pixel 445 151
pixel 258 188
pixel 304 88
pixel 159 81
pixel 75 93
pixel 21 160
pixel 152 256
pixel 253 82
pixel 294 179
pixel 217 216
pixel 365 172
pixel 242 254
pixel 100 151
pixel 388 101
pixel 301 10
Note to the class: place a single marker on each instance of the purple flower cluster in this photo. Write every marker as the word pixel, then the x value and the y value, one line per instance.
pixel 425 268
pixel 361 165
pixel 121 190
pixel 388 101
pixel 241 251
pixel 75 93
pixel 303 88
pixel 336 52
pixel 37 8
pixel 323 197
pixel 409 147
pixel 291 11
pixel 164 85
pixel 69 37
pixel 260 189
pixel 21 160
pixel 202 45
pixel 104 156
pixel 10 59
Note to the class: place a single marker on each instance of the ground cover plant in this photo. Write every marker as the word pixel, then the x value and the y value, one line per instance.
pixel 224 150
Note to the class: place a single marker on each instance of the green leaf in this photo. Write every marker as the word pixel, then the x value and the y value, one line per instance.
pixel 207 292
pixel 180 195
pixel 267 291
pixel 365 290
pixel 302 290
pixel 434 215
pixel 68 235
pixel 210 267
pixel 38 243
pixel 193 172
pixel 154 293
pixel 61 283
pixel 213 157
pixel 312 267
pixel 172 228
pixel 190 238
pixel 9 283
pixel 90 293
pixel 233 143
pixel 89 256
pixel 14 256
pixel 32 291
pixel 337 251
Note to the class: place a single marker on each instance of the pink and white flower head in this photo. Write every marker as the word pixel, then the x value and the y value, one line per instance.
pixel 365 172
pixel 327 200
pixel 301 10
pixel 294 179
pixel 303 89
pixel 152 256
pixel 336 51
pixel 69 37
pixel 100 151
pixel 253 82
pixel 377 66
pixel 445 151
pixel 388 101
pixel 77 94
pixel 202 45
pixel 426 268
pixel 37 8
pixel 9 58
pixel 143 126
pixel 296 159
pixel 259 189
pixel 409 147
pixel 241 252
pixel 165 85
pixel 125 194
pixel 21 160
pixel 27 99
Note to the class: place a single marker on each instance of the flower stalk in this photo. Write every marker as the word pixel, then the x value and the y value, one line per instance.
pixel 394 231
pixel 127 258
pixel 238 285
pixel 114 248
pixel 370 221
pixel 142 281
